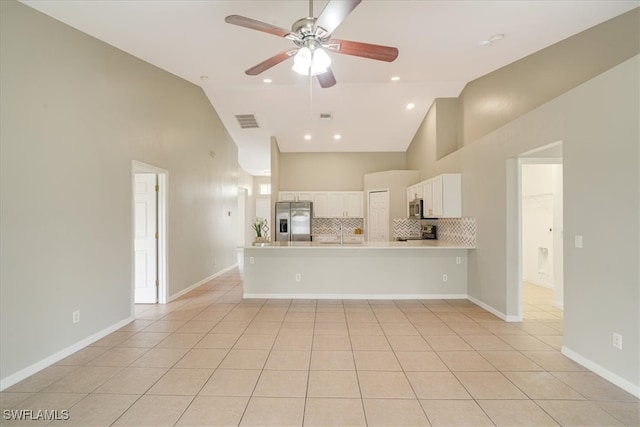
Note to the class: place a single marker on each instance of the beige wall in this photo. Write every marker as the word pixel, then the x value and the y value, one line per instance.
pixel 333 171
pixel 505 94
pixel 597 123
pixel 500 97
pixel 275 182
pixel 75 112
pixel 247 182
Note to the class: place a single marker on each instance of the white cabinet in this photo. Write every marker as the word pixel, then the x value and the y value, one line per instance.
pixel 336 205
pixel 427 198
pixel 330 204
pixel 288 196
pixel 414 192
pixel 441 196
pixel 320 205
pixel 345 204
pixel 353 204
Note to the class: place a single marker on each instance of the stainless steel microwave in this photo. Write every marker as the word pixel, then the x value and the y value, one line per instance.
pixel 415 209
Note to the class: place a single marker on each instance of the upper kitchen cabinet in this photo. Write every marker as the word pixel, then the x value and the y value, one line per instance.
pixel 414 192
pixel 330 204
pixel 294 196
pixel 288 196
pixel 345 204
pixel 320 205
pixel 442 196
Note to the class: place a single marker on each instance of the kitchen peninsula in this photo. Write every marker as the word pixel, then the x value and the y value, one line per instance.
pixel 415 269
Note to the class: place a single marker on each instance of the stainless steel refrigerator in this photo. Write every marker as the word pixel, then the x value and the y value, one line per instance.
pixel 293 221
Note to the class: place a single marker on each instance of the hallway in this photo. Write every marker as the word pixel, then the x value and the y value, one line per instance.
pixel 212 358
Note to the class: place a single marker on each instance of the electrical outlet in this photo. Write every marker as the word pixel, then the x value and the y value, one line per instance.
pixel 458 260
pixel 76 316
pixel 445 277
pixel 252 260
pixel 578 242
pixel 617 341
pixel 298 277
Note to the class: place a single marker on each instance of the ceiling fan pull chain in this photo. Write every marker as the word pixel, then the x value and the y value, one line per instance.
pixel 310 96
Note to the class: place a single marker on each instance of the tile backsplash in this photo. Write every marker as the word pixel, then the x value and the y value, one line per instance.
pixel 332 225
pixel 450 230
pixel 406 228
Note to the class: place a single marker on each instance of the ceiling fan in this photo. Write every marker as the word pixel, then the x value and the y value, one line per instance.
pixel 312 36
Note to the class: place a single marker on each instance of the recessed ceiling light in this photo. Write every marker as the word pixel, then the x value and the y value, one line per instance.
pixel 337 136
pixel 411 106
pixel 307 137
pixel 485 43
pixel 267 81
pixel 395 78
pixel 204 78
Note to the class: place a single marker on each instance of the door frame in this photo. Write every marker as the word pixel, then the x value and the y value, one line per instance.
pixel 389 228
pixel 514 312
pixel 163 250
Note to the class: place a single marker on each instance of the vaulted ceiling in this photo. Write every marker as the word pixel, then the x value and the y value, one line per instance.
pixel 440 44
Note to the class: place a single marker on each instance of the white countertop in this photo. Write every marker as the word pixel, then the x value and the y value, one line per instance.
pixel 410 244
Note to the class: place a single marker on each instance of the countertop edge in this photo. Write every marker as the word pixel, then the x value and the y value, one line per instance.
pixel 390 245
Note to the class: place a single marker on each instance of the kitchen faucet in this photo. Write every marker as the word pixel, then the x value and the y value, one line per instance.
pixel 341 234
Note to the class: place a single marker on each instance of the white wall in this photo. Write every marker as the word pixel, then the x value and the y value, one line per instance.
pixel 75 112
pixel 537 224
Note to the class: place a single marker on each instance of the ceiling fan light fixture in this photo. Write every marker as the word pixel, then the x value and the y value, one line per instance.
pixel 311 62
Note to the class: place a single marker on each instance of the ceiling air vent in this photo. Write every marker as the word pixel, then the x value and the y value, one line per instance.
pixel 247 121
pixel 325 116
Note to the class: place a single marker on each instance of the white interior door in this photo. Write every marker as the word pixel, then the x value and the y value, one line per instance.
pixel 145 243
pixel 379 216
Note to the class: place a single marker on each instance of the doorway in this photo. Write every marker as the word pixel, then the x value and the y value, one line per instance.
pixel 536 199
pixel 378 227
pixel 149 201
pixel 542 237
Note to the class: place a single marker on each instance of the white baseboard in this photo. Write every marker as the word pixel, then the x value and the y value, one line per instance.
pixel 498 313
pixel 603 372
pixel 356 296
pixel 56 357
pixel 200 283
pixel 538 283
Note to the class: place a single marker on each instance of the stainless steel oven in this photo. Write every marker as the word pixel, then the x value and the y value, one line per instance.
pixel 429 232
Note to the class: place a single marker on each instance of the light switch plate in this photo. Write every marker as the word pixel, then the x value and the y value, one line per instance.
pixel 578 242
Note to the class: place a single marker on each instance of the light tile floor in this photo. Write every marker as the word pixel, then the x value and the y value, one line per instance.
pixel 212 358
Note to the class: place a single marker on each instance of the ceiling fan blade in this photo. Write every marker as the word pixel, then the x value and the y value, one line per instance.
pixel 365 50
pixel 326 79
pixel 334 13
pixel 268 63
pixel 253 24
